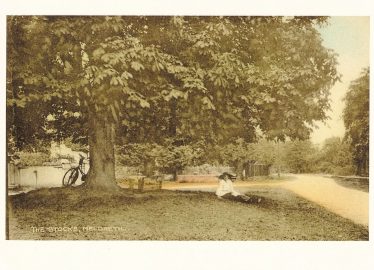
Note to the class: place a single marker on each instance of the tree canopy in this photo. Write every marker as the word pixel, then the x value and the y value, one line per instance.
pixel 215 79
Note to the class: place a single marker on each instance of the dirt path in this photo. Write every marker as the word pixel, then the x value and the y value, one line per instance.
pixel 346 202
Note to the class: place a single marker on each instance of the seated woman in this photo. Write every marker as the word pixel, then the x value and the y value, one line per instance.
pixel 226 190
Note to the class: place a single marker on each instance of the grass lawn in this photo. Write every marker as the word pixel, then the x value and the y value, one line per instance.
pixel 361 184
pixel 69 213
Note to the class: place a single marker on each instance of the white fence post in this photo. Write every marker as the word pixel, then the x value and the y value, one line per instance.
pixel 13 175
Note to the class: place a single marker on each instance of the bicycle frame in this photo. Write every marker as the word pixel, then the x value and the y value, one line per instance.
pixel 74 173
pixel 81 165
pixel 81 170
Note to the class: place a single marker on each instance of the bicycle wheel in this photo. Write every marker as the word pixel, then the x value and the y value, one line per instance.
pixel 70 177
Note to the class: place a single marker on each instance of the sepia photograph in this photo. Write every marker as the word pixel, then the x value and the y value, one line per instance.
pixel 200 134
pixel 245 128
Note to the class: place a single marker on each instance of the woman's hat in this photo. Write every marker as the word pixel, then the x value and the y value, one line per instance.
pixel 230 176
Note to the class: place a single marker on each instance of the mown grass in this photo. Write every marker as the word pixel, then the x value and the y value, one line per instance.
pixel 174 215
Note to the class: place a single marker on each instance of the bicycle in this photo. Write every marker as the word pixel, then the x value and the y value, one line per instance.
pixel 71 176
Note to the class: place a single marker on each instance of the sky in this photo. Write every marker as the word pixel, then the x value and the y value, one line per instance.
pixel 349 37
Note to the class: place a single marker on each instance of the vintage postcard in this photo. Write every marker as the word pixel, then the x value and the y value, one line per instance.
pixel 187 128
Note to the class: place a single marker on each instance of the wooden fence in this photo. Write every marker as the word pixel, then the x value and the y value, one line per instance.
pixel 253 169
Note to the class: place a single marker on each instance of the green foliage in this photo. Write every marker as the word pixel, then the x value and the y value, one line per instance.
pixel 235 154
pixel 175 158
pixel 151 157
pixel 299 156
pixel 162 79
pixel 356 121
pixel 265 152
pixel 238 71
pixel 78 147
pixel 241 152
pixel 138 155
pixel 335 157
pixel 41 146
pixel 33 158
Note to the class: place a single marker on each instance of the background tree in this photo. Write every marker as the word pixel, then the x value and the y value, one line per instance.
pixel 335 157
pixel 356 121
pixel 235 155
pixel 153 158
pixel 265 152
pixel 299 156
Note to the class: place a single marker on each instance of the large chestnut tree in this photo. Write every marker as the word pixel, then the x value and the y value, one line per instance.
pixel 202 78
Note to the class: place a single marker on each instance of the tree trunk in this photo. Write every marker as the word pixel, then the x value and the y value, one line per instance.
pixel 173 119
pixel 175 174
pixel 173 130
pixel 239 170
pixel 148 168
pixel 358 167
pixel 101 143
pixel 246 171
pixel 366 164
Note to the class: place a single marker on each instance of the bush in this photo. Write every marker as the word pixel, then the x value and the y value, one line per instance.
pixel 77 147
pixel 151 157
pixel 67 156
pixel 344 170
pixel 33 158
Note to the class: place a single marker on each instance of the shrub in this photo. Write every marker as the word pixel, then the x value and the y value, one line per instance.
pixel 33 158
pixel 344 170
